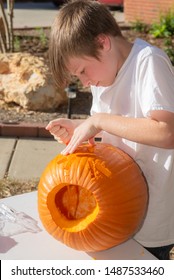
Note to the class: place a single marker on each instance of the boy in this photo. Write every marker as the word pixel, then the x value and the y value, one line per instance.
pixel 133 105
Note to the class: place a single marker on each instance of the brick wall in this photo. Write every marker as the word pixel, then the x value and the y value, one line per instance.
pixel 147 11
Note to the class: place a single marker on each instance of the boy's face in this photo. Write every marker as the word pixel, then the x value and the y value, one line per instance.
pixel 92 71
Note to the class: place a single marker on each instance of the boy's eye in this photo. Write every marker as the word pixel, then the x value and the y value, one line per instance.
pixel 82 72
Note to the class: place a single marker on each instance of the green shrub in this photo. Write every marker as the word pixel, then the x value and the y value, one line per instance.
pixel 42 36
pixel 17 44
pixel 139 26
pixel 165 28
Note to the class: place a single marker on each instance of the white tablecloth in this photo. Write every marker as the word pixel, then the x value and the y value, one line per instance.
pixel 42 246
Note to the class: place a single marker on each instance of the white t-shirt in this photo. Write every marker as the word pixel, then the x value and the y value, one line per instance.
pixel 144 83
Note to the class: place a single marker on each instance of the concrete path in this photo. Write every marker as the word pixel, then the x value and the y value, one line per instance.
pixel 25 159
pixel 32 15
pixel 6 150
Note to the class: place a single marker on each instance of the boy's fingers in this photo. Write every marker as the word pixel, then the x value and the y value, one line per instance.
pixel 61 133
pixel 69 149
pixel 50 126
pixel 54 129
pixel 63 138
pixel 91 141
pixel 52 123
pixel 58 139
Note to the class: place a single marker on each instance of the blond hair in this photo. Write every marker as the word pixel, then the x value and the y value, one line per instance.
pixel 74 33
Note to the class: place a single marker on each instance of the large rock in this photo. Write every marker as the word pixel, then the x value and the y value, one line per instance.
pixel 25 80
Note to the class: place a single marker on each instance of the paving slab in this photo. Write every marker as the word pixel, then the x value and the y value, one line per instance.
pixel 32 14
pixel 31 157
pixel 7 146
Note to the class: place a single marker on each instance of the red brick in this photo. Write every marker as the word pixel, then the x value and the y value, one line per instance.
pixel 19 130
pixel 147 11
pixel 42 132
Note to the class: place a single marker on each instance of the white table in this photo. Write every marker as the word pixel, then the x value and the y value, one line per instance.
pixel 42 246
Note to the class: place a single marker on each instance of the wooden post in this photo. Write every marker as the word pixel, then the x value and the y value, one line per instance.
pixel 10 6
pixel 2 36
pixel 6 27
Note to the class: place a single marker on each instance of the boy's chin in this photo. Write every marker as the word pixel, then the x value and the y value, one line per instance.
pixel 104 84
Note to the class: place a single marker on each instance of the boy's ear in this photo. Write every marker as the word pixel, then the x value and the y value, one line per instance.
pixel 104 41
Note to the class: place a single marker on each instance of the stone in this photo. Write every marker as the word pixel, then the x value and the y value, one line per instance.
pixel 26 80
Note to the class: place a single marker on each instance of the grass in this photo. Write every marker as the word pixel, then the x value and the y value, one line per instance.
pixel 10 187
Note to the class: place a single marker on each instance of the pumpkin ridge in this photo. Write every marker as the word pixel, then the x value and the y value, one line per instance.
pixel 102 240
pixel 92 241
pixel 84 178
pixel 88 237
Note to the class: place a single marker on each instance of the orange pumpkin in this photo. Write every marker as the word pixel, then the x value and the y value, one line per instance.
pixel 93 199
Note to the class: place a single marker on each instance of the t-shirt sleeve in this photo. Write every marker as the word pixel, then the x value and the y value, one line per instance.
pixel 156 84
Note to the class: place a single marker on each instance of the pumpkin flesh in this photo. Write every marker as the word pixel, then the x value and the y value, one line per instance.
pixel 72 207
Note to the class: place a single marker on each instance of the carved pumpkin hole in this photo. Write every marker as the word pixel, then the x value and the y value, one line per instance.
pixel 75 202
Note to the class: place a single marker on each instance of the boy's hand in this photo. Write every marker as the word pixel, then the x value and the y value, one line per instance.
pixel 62 129
pixel 84 132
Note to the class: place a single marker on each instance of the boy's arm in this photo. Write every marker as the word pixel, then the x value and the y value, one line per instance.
pixel 155 131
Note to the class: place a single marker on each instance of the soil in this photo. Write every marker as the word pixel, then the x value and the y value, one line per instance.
pixel 35 41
